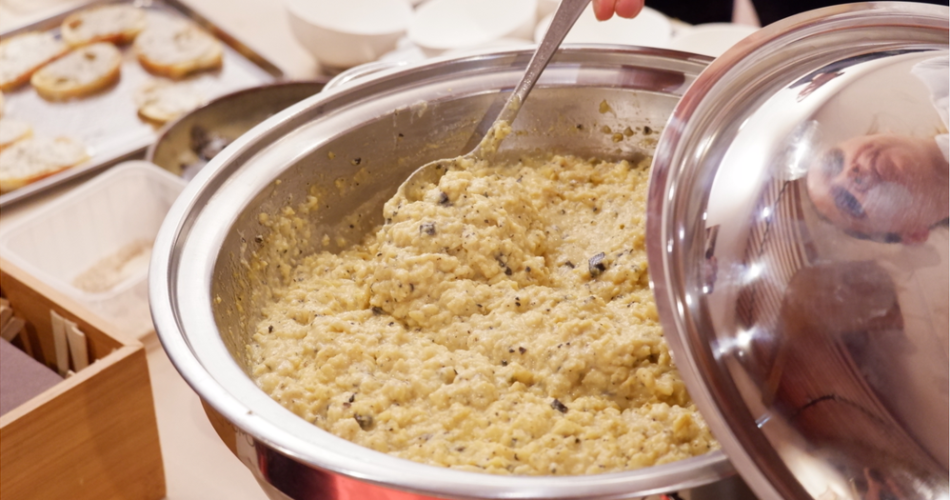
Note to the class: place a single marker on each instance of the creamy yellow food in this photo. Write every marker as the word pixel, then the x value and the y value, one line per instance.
pixel 504 324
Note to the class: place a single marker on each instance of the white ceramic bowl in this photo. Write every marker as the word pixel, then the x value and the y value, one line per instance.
pixel 442 25
pixel 342 34
pixel 711 39
pixel 649 29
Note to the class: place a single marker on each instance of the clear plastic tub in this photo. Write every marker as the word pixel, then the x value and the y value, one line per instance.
pixel 94 243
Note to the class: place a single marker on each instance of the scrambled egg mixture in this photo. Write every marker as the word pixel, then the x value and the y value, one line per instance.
pixel 503 324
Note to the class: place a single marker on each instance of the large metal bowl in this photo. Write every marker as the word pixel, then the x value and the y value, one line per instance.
pixel 205 300
pixel 226 117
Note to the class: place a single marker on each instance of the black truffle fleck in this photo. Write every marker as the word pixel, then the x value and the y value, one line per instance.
pixel 596 265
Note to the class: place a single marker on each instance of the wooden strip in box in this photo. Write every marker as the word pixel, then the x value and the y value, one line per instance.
pixel 33 299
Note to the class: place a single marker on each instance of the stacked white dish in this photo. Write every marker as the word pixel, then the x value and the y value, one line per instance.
pixel 342 35
pixel 711 39
pixel 439 26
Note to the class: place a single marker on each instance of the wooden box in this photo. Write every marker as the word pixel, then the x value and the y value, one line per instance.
pixel 92 436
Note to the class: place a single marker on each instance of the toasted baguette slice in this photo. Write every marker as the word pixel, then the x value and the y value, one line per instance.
pixel 32 159
pixel 109 23
pixel 164 100
pixel 175 48
pixel 81 72
pixel 21 55
pixel 12 130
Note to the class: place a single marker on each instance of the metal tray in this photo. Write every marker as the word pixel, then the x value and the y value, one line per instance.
pixel 108 122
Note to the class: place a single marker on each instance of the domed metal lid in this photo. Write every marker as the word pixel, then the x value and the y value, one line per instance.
pixel 799 252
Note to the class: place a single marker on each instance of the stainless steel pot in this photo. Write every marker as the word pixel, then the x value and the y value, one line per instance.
pixel 204 302
pixel 225 118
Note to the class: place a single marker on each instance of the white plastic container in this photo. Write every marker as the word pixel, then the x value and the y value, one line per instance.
pixel 94 243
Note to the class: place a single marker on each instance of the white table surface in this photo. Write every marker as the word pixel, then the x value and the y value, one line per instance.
pixel 198 466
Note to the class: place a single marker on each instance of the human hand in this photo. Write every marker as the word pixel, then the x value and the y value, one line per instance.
pixel 605 9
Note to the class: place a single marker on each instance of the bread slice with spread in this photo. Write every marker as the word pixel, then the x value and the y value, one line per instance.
pixel 176 48
pixel 13 130
pixel 21 55
pixel 35 158
pixel 164 100
pixel 110 23
pixel 81 72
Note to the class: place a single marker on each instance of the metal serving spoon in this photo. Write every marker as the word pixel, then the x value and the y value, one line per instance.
pixel 564 18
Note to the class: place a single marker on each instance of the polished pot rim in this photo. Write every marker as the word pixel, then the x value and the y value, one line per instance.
pixel 189 242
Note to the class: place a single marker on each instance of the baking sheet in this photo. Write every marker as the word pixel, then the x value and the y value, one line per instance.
pixel 108 122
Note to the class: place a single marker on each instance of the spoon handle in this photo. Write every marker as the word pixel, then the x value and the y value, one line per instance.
pixel 564 18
